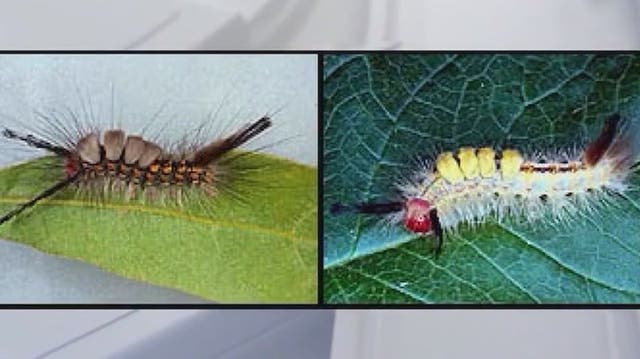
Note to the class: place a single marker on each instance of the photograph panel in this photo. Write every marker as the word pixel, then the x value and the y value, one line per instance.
pixel 481 178
pixel 148 178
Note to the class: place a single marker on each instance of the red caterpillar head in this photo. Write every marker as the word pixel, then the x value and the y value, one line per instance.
pixel 416 216
pixel 70 167
pixel 419 215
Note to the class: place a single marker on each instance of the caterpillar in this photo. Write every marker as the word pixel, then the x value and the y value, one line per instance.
pixel 471 185
pixel 132 165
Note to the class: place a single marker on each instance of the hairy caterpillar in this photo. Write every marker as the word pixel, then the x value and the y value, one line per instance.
pixel 471 185
pixel 115 161
pixel 201 229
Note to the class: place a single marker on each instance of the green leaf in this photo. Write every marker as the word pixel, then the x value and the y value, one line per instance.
pixel 381 111
pixel 223 249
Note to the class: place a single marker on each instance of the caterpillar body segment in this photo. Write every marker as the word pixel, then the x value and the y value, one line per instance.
pixel 449 168
pixel 486 161
pixel 510 163
pixel 469 162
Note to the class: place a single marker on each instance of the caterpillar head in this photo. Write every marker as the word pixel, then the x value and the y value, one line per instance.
pixel 417 218
pixel 418 215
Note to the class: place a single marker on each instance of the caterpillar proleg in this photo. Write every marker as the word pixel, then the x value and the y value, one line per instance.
pixel 470 185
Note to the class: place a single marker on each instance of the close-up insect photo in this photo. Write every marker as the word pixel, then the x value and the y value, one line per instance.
pixel 481 178
pixel 189 178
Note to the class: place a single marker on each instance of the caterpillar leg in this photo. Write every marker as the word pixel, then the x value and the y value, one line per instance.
pixel 437 231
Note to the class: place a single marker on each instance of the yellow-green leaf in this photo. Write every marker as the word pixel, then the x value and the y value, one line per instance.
pixel 262 250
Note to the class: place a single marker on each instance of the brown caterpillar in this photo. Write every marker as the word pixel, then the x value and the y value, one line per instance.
pixel 133 165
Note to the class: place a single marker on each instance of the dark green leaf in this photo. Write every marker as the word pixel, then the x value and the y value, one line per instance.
pixel 384 111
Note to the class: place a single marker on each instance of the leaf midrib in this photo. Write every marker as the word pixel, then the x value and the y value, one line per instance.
pixel 174 214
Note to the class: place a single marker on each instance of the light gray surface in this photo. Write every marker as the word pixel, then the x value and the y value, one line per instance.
pixel 356 334
pixel 519 25
pixel 498 334
pixel 320 24
pixel 115 24
pixel 25 334
pixel 182 24
pixel 242 334
pixel 239 334
pixel 190 87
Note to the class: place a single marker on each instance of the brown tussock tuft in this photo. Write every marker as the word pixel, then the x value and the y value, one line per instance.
pixel 598 147
pixel 218 148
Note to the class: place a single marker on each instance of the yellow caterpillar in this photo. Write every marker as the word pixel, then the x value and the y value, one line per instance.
pixel 471 184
